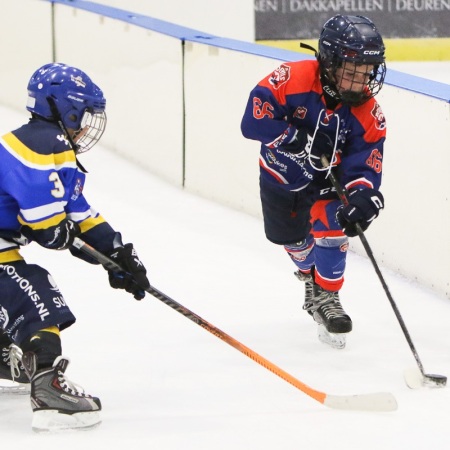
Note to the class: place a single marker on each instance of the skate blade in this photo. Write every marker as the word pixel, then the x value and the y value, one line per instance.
pixel 8 387
pixel 52 421
pixel 334 340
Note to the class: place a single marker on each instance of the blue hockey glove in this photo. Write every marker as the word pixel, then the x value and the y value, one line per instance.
pixel 303 145
pixel 363 207
pixel 58 237
pixel 135 279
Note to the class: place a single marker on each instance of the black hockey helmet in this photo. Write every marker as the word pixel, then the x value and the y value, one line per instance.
pixel 353 39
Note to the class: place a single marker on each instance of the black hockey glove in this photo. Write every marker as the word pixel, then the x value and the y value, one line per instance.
pixel 363 207
pixel 303 145
pixel 134 279
pixel 58 237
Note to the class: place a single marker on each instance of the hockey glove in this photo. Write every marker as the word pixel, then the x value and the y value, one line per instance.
pixel 133 279
pixel 58 237
pixel 303 145
pixel 363 207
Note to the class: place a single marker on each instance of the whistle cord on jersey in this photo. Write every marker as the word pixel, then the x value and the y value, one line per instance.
pixel 380 401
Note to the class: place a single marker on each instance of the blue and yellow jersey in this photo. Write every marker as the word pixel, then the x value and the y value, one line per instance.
pixel 41 185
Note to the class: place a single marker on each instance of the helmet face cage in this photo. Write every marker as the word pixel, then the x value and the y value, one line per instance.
pixel 359 83
pixel 58 92
pixel 92 127
pixel 348 42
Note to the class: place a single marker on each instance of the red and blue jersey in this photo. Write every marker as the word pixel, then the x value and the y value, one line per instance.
pixel 292 97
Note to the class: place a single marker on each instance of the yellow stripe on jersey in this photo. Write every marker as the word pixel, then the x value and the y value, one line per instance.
pixel 10 256
pixel 43 224
pixel 54 330
pixel 90 223
pixel 35 160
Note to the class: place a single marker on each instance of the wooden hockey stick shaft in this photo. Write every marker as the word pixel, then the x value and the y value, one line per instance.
pixel 439 380
pixel 368 402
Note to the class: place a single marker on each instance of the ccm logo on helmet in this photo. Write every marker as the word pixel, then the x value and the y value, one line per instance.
pixel 371 52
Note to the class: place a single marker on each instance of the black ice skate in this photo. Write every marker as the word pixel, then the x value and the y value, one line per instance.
pixel 333 321
pixel 309 286
pixel 57 403
pixel 13 379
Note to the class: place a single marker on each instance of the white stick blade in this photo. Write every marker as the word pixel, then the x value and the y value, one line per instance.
pixel 413 378
pixel 379 401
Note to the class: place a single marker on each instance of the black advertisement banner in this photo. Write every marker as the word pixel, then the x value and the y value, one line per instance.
pixel 303 19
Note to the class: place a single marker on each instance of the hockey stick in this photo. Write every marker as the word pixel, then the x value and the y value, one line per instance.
pixel 363 402
pixel 413 379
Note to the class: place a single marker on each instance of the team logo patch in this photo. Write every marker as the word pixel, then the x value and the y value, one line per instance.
pixel 53 285
pixel 377 113
pixel 344 247
pixel 4 317
pixel 272 160
pixel 78 81
pixel 300 112
pixel 280 76
pixel 78 189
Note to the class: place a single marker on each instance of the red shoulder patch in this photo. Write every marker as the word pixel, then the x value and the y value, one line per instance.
pixel 279 76
pixel 377 113
pixel 372 119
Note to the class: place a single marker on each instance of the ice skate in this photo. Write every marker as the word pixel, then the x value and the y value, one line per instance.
pixel 327 310
pixel 333 322
pixel 57 403
pixel 13 379
pixel 335 340
pixel 309 287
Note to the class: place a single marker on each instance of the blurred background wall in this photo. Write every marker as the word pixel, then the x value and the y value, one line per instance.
pixel 176 96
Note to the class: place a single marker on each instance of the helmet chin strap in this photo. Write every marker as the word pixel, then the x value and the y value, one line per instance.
pixel 328 87
pixel 57 116
pixel 75 134
pixel 308 47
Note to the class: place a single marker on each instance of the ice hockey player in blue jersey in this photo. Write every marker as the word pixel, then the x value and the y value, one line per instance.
pixel 305 110
pixel 42 200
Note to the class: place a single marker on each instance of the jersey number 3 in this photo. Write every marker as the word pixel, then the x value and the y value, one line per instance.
pixel 58 190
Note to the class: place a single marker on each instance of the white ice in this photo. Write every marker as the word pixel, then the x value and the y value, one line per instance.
pixel 166 383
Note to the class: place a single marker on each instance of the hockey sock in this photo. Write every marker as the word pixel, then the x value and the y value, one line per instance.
pixel 45 344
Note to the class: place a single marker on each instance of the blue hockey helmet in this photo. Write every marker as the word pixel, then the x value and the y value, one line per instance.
pixel 353 39
pixel 65 94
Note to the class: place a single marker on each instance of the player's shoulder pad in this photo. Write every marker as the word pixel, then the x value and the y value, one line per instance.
pixel 293 78
pixel 372 119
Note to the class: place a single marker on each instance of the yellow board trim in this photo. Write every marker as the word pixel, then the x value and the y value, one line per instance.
pixel 413 49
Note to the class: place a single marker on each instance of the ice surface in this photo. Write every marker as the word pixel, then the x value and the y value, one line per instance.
pixel 166 383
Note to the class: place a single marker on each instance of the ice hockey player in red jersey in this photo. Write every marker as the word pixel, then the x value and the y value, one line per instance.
pixel 42 199
pixel 300 112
